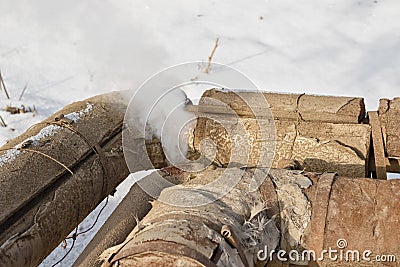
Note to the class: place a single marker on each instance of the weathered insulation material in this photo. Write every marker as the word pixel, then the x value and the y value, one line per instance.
pixel 124 219
pixel 348 110
pixel 389 114
pixel 294 206
pixel 313 212
pixel 41 201
pixel 199 227
pixel 330 140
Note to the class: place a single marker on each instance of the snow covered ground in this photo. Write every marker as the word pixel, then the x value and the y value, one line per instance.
pixel 64 51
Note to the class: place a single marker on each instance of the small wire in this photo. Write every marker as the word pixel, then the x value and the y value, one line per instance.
pixel 47 156
pixel 94 223
pixel 76 234
pixel 70 249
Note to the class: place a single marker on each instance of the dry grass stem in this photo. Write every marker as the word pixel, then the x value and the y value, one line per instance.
pixel 207 70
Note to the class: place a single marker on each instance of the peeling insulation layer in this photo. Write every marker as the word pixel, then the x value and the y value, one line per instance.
pixel 198 228
pixel 324 134
pixel 310 213
pixel 294 205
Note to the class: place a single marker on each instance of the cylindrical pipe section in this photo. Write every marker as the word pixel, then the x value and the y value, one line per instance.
pixel 57 172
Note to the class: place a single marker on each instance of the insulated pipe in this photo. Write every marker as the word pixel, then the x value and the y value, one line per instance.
pixel 314 212
pixel 57 172
pixel 349 217
pixel 134 206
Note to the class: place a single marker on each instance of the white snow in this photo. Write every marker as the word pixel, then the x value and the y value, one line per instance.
pixel 47 131
pixel 66 51
pixel 75 116
pixel 8 156
pixel 12 153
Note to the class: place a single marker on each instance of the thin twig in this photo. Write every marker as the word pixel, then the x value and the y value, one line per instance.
pixel 3 123
pixel 23 91
pixel 3 85
pixel 207 70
